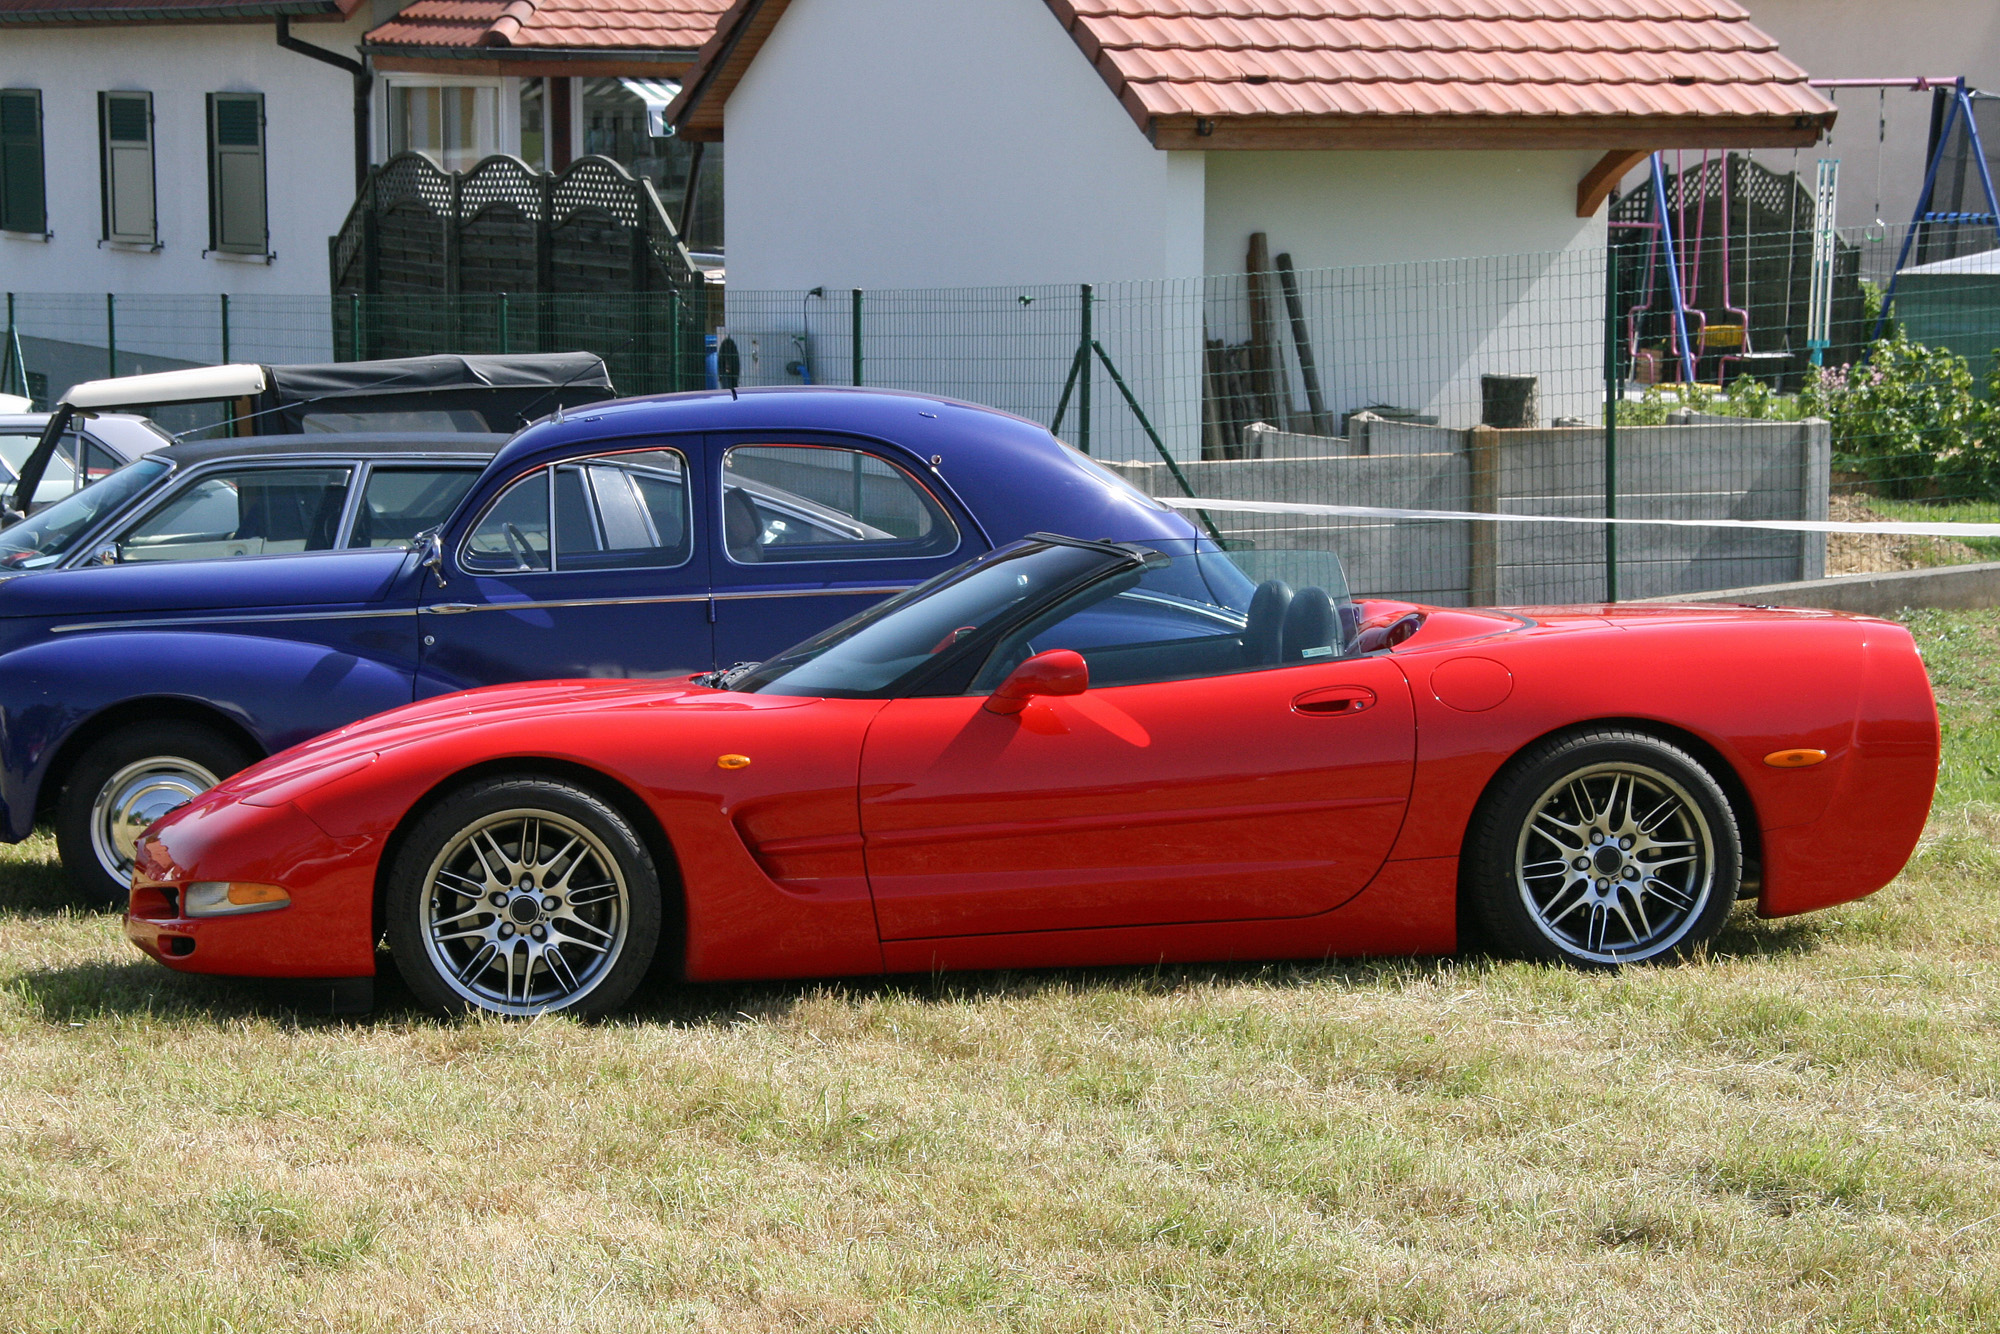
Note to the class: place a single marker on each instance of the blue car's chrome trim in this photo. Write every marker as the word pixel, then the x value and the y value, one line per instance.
pixel 230 618
pixel 460 608
pixel 882 592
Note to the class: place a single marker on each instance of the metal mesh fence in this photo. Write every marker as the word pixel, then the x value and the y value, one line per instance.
pixel 1687 372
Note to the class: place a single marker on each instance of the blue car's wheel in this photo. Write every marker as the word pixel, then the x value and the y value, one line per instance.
pixel 520 896
pixel 123 783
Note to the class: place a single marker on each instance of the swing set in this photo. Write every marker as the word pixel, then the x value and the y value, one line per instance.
pixel 1674 247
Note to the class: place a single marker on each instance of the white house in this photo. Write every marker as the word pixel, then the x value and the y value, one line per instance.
pixel 177 152
pixel 912 144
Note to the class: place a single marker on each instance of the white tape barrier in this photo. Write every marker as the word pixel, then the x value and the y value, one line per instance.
pixel 1480 516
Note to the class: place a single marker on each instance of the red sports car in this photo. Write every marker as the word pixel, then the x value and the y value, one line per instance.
pixel 1071 752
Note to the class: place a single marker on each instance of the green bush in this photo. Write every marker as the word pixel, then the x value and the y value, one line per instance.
pixel 1746 397
pixel 1908 420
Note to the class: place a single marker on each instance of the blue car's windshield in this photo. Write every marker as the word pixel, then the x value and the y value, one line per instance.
pixel 48 536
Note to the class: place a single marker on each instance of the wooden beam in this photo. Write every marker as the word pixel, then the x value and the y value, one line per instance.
pixel 1602 179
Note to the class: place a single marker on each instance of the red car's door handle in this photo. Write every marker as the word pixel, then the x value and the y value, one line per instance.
pixel 1335 701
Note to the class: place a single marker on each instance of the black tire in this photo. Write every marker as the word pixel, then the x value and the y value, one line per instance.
pixel 458 907
pixel 139 773
pixel 1651 855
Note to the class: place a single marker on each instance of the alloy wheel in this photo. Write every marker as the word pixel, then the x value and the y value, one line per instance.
pixel 1615 863
pixel 525 911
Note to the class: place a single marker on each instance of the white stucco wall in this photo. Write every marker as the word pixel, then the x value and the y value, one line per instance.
pixel 1421 271
pixel 309 161
pixel 908 144
pixel 914 143
pixel 1858 39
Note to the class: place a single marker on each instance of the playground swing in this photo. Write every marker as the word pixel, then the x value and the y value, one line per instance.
pixel 1675 247
pixel 1958 112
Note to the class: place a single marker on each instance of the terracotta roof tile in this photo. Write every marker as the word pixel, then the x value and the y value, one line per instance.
pixel 1395 58
pixel 168 11
pixel 1366 73
pixel 651 25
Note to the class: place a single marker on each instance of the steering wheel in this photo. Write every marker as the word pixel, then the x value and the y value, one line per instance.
pixel 517 542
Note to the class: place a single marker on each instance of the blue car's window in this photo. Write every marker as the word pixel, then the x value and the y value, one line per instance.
pixel 513 537
pixel 48 536
pixel 817 502
pixel 1192 615
pixel 627 510
pixel 399 503
pixel 243 512
pixel 622 511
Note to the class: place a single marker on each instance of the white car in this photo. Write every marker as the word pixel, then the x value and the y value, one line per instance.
pixel 91 448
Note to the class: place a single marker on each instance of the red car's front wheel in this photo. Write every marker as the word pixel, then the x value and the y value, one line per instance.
pixel 520 896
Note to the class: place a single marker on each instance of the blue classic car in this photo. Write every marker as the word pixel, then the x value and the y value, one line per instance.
pixel 214 605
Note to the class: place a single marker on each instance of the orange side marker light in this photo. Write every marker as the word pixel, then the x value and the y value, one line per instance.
pixel 732 761
pixel 1794 759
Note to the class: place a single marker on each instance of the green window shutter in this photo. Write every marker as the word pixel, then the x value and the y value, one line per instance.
pixel 238 220
pixel 23 189
pixel 125 138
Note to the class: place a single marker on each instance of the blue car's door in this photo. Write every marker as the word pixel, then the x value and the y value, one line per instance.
pixel 813 529
pixel 591 566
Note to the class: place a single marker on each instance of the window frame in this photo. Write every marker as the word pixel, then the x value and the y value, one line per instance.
pixel 13 214
pixel 366 470
pixel 218 242
pixel 169 490
pixel 899 550
pixel 548 470
pixel 109 174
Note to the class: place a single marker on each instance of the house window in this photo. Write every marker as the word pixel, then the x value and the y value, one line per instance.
pixel 625 120
pixel 534 124
pixel 454 125
pixel 237 220
pixel 125 140
pixel 23 193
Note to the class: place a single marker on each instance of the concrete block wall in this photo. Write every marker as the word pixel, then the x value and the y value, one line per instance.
pixel 1747 471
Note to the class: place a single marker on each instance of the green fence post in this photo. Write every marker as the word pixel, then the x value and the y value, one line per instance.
pixel 1612 395
pixel 1083 385
pixel 225 328
pixel 674 347
pixel 505 346
pixel 857 338
pixel 110 336
pixel 354 326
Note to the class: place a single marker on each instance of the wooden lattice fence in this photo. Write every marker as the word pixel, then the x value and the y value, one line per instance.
pixel 503 258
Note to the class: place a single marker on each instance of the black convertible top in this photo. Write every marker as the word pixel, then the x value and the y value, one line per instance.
pixel 435 374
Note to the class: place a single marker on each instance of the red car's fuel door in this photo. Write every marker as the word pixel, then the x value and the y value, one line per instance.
pixel 1263 794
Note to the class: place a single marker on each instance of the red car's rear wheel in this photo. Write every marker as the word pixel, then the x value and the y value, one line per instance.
pixel 521 896
pixel 1604 849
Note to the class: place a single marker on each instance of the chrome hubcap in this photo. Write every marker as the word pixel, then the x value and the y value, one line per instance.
pixel 133 798
pixel 1615 863
pixel 524 911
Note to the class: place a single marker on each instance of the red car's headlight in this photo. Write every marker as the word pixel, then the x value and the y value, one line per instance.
pixel 227 898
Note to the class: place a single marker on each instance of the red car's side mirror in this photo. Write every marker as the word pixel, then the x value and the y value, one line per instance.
pixel 1060 671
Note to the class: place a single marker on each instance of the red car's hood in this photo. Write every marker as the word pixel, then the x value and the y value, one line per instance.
pixel 537 699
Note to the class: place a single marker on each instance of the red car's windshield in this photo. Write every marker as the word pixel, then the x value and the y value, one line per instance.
pixel 1167 610
pixel 865 654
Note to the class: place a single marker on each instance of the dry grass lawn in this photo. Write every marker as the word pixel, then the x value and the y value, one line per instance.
pixel 1801 1133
